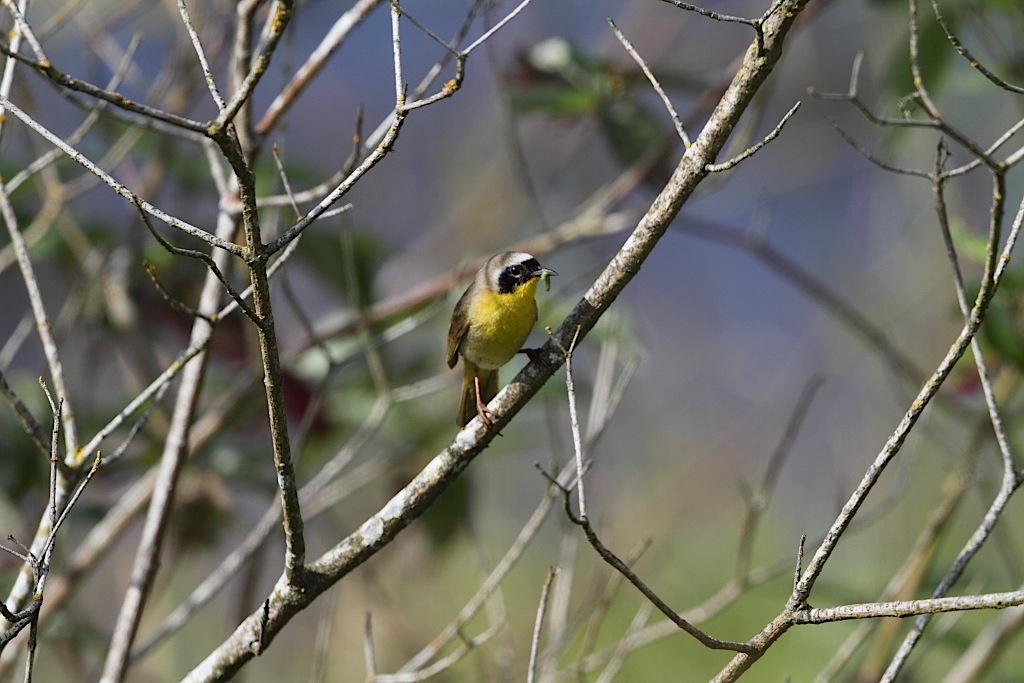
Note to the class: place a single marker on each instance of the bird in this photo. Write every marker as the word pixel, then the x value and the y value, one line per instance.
pixel 490 324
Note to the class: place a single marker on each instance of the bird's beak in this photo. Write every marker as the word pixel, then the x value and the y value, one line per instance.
pixel 543 272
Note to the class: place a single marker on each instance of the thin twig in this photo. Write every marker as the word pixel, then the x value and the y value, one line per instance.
pixel 680 130
pixel 206 259
pixel 143 111
pixel 174 303
pixel 750 151
pixel 396 46
pixel 942 215
pixel 54 453
pixel 25 416
pixel 211 84
pixel 369 656
pixel 277 21
pixel 910 608
pixel 973 61
pixel 16 35
pixel 97 461
pixel 42 319
pixel 538 625
pixel 575 424
pixel 717 16
pixel 631 576
pixel 122 190
pixel 317 59
pixel 397 8
pixel 494 29
pixel 924 98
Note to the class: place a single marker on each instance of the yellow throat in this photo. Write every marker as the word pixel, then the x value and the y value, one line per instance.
pixel 499 325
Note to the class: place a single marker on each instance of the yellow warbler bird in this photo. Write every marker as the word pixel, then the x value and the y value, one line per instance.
pixel 490 324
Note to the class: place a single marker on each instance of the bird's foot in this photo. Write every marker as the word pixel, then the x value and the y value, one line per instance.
pixel 485 415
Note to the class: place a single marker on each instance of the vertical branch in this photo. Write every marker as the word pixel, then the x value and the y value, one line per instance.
pixel 211 84
pixel 233 145
pixel 8 75
pixel 282 11
pixel 574 421
pixel 241 59
pixel 538 625
pixel 295 546
pixel 258 256
pixel 396 46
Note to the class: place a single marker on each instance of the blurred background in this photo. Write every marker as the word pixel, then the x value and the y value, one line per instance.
pixel 805 266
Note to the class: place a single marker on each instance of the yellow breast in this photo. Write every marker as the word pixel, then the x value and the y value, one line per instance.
pixel 499 325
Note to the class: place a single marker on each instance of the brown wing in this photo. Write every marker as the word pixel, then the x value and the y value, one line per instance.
pixel 457 330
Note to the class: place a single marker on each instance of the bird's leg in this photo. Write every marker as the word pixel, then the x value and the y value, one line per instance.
pixel 481 407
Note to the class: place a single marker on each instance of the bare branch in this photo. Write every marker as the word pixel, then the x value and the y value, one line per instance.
pixel 201 54
pixel 494 29
pixel 680 131
pixel 28 421
pixel 751 151
pixel 971 59
pixel 78 157
pixel 909 608
pixel 281 12
pixel 538 625
pixel 317 59
pixel 620 566
pixel 42 318
pixel 712 15
pixel 575 424
pixel 112 97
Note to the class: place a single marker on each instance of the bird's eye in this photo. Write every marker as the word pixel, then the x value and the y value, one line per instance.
pixel 515 270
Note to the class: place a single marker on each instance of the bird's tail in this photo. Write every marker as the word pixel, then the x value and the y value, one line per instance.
pixel 488 390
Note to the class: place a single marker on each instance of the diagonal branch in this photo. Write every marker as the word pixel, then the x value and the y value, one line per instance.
pixel 281 15
pixel 259 629
pixel 119 188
